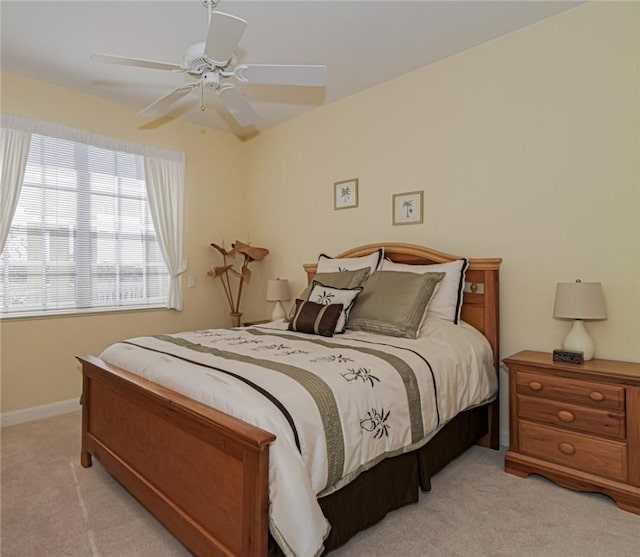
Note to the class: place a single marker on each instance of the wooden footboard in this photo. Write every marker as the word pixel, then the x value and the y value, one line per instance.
pixel 202 473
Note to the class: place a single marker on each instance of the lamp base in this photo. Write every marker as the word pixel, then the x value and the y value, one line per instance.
pixel 578 340
pixel 278 312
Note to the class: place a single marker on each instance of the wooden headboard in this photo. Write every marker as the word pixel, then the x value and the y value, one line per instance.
pixel 480 305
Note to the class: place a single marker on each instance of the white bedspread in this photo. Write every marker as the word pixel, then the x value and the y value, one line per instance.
pixel 350 400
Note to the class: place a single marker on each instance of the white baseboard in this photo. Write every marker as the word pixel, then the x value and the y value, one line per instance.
pixel 504 437
pixel 14 417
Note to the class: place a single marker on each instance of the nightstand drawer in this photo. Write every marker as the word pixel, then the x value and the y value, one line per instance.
pixel 597 456
pixel 572 390
pixel 584 418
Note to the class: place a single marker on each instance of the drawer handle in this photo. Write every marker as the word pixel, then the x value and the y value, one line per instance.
pixel 566 416
pixel 535 386
pixel 597 396
pixel 566 448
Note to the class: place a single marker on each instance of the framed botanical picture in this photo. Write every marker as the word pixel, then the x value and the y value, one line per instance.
pixel 345 194
pixel 407 207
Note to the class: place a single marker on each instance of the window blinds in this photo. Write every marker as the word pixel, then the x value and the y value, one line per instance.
pixel 82 237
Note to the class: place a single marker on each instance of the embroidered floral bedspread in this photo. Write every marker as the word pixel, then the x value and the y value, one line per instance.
pixel 337 405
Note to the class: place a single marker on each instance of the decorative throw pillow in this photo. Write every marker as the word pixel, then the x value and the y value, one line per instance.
pixel 373 262
pixel 339 279
pixel 447 302
pixel 322 294
pixel 315 319
pixel 394 303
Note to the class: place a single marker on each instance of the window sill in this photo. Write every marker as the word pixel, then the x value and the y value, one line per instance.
pixel 80 313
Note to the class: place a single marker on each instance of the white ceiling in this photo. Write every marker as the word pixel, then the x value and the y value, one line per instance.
pixel 362 43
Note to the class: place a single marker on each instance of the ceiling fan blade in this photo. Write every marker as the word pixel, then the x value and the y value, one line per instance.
pixel 237 105
pixel 224 34
pixel 160 106
pixel 138 62
pixel 273 74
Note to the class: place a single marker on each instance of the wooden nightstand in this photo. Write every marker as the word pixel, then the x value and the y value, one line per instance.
pixel 576 424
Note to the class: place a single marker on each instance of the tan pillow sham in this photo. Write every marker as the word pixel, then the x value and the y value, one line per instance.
pixel 394 303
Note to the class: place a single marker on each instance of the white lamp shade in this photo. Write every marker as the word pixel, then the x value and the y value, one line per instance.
pixel 278 290
pixel 579 300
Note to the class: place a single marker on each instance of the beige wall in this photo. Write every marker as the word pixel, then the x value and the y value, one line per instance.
pixel 37 362
pixel 527 148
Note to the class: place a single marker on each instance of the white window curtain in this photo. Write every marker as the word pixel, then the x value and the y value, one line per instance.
pixel 14 151
pixel 157 253
pixel 165 191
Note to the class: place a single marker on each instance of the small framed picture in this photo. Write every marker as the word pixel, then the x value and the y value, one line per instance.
pixel 345 194
pixel 407 207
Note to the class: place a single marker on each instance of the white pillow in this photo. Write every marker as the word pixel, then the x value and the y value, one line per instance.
pixel 328 264
pixel 321 294
pixel 447 301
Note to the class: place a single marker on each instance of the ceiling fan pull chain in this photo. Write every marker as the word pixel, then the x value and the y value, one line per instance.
pixel 202 108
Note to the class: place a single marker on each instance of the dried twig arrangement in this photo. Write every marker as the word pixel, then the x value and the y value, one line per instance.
pixel 249 254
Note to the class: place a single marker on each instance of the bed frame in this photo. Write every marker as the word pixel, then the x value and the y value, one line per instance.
pixel 203 473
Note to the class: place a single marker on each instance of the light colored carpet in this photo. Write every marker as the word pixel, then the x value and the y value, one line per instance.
pixel 53 507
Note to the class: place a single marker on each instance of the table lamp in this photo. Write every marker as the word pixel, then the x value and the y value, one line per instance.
pixel 579 301
pixel 278 291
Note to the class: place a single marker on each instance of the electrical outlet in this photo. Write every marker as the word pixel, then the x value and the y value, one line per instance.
pixel 191 281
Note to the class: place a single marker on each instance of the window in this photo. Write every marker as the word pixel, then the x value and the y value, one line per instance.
pixel 82 237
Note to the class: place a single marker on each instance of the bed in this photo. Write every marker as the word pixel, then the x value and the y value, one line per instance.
pixel 205 474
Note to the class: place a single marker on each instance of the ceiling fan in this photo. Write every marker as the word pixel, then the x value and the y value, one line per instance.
pixel 212 64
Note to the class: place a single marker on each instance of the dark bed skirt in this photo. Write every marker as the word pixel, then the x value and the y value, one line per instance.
pixel 395 482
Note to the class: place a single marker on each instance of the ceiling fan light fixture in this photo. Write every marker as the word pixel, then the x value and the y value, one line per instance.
pixel 211 79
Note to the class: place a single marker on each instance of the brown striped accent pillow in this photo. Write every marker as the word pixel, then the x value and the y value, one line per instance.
pixel 315 319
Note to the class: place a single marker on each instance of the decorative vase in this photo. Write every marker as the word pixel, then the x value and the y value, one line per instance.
pixel 236 319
